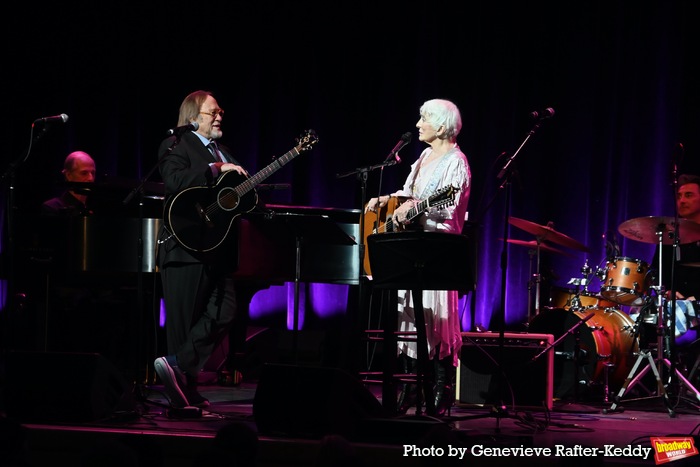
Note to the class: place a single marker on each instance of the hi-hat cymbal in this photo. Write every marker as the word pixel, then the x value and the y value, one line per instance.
pixel 647 230
pixel 543 232
pixel 532 244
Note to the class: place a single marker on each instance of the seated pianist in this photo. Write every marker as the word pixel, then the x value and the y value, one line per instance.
pixel 78 167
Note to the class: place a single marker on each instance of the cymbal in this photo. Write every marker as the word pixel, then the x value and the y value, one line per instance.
pixel 532 244
pixel 646 229
pixel 547 233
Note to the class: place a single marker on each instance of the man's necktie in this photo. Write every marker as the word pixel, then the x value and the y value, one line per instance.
pixel 215 151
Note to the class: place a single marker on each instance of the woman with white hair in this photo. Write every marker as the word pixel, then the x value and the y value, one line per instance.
pixel 442 164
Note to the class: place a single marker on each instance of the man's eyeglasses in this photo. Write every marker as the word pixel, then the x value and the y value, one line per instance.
pixel 214 113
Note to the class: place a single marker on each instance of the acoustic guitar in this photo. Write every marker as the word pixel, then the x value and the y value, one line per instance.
pixel 200 217
pixel 381 221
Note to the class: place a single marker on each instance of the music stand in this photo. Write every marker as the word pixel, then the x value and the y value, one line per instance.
pixel 315 228
pixel 416 261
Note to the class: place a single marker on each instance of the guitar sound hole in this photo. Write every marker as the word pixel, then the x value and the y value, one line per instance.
pixel 228 199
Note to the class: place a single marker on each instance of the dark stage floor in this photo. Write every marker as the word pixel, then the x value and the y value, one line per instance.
pixel 289 425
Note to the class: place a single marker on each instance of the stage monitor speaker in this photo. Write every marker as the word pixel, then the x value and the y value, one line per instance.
pixel 63 387
pixel 526 373
pixel 310 402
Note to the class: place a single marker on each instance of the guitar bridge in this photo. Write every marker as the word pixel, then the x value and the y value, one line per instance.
pixel 203 215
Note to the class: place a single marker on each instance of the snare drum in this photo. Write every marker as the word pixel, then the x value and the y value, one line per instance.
pixel 626 281
pixel 685 320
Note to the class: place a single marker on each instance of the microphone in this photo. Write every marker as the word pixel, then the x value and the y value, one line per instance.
pixel 405 139
pixel 178 131
pixel 546 113
pixel 63 118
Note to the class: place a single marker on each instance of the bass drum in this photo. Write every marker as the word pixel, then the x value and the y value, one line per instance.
pixel 607 342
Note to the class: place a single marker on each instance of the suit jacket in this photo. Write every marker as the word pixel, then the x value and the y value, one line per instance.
pixel 185 166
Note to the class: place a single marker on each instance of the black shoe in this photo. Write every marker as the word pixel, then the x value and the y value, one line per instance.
pixel 444 400
pixel 444 386
pixel 174 380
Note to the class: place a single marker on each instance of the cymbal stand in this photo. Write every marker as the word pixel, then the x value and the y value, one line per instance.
pixel 536 279
pixel 646 354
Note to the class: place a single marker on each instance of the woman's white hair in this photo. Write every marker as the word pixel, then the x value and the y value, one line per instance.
pixel 441 112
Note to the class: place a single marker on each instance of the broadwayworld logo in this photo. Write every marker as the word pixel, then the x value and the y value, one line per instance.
pixel 670 449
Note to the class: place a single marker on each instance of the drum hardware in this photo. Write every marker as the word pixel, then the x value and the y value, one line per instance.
pixel 579 356
pixel 586 271
pixel 543 233
pixel 578 282
pixel 579 297
pixel 605 346
pixel 686 318
pixel 606 388
pixel 638 229
pixel 535 247
pixel 696 366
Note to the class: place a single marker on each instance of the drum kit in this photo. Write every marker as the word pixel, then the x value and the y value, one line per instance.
pixel 594 337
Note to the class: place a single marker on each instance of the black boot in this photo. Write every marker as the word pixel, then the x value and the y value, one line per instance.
pixel 444 386
pixel 407 396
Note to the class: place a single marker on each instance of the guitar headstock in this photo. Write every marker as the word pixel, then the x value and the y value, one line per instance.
pixel 444 196
pixel 306 140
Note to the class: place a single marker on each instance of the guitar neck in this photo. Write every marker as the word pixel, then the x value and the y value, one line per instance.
pixel 417 210
pixel 271 168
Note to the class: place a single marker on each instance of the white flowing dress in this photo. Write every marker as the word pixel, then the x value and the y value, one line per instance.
pixel 441 307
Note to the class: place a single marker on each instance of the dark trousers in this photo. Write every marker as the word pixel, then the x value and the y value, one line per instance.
pixel 200 303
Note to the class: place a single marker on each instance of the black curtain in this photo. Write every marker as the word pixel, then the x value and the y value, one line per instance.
pixel 619 76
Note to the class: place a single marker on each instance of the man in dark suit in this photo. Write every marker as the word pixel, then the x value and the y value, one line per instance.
pixel 198 283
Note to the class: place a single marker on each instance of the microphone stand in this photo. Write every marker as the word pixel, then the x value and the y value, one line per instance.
pixel 504 176
pixel 9 209
pixel 144 378
pixel 362 173
pixel 570 331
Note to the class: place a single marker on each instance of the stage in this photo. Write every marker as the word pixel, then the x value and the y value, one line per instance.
pixel 293 427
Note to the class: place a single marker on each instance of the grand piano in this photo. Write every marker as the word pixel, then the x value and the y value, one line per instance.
pixel 128 216
pixel 112 258
pixel 269 239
